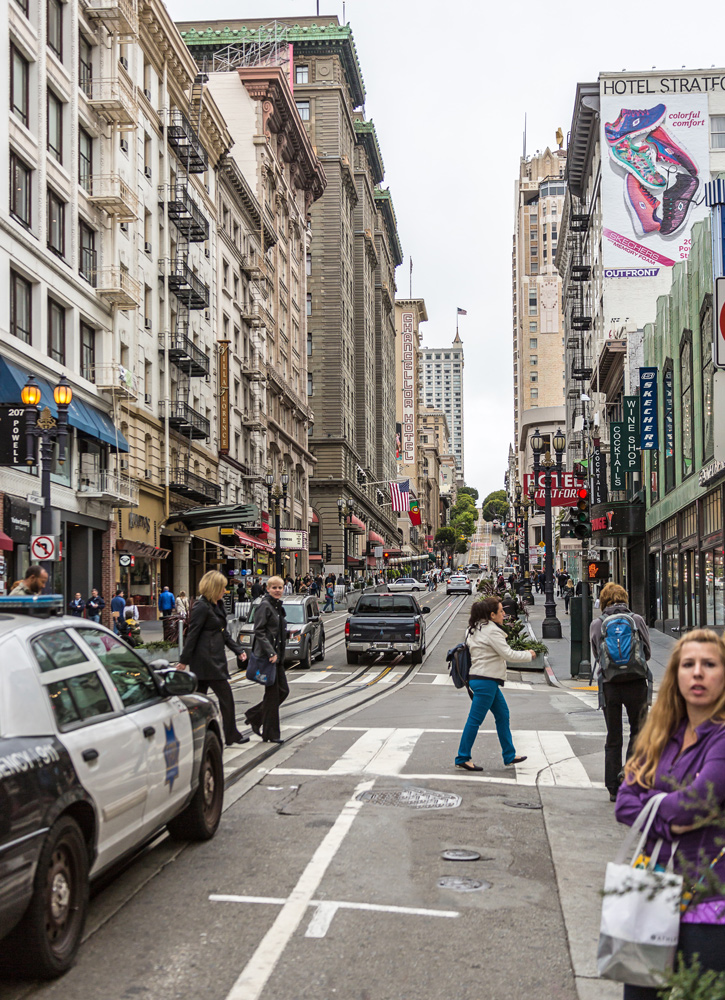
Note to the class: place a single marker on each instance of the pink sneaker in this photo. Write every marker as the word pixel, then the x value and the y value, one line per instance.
pixel 642 205
pixel 669 152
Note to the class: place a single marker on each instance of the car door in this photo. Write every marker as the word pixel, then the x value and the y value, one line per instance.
pixel 313 612
pixel 163 723
pixel 107 751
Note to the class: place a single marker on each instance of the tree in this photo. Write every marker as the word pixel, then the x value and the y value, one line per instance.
pixel 462 546
pixel 495 506
pixel 465 524
pixel 445 536
pixel 465 504
pixel 470 490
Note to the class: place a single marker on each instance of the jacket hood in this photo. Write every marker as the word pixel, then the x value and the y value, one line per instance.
pixel 617 609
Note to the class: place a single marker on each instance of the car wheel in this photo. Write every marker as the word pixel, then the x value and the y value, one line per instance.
pixel 352 657
pixel 321 650
pixel 306 660
pixel 45 942
pixel 417 657
pixel 200 819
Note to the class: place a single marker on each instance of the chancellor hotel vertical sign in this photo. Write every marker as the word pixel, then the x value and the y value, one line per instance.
pixel 409 388
pixel 224 397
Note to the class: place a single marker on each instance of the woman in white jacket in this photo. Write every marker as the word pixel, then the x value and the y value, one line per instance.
pixel 486 640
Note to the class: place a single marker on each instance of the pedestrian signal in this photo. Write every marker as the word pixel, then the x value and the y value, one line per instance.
pixel 597 571
pixel 582 520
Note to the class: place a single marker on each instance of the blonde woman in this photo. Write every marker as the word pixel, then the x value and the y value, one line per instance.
pixel 270 632
pixel 681 751
pixel 205 650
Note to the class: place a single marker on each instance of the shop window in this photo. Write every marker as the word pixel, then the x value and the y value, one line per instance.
pixel 714 589
pixel 712 513
pixel 707 375
pixel 670 529
pixel 672 585
pixel 689 522
pixel 656 583
pixel 686 404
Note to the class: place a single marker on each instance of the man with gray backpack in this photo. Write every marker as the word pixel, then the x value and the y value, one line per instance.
pixel 621 647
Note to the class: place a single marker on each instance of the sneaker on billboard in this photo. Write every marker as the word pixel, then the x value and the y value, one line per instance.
pixel 676 202
pixel 642 205
pixel 634 122
pixel 669 152
pixel 635 155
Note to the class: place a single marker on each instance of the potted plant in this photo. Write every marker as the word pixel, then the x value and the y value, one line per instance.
pixel 518 638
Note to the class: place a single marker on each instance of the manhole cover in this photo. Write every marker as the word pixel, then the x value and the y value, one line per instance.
pixel 460 855
pixel 411 798
pixel 460 884
pixel 523 805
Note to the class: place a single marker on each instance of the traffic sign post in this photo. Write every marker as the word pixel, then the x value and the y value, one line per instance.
pixel 44 548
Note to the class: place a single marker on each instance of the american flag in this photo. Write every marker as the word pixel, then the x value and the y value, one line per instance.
pixel 400 496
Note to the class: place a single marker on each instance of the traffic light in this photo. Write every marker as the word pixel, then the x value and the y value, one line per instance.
pixel 582 521
pixel 566 528
pixel 380 497
pixel 328 553
pixel 361 477
pixel 597 571
pixel 386 557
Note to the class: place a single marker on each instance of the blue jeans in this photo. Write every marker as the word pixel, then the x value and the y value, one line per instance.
pixel 487 695
pixel 329 602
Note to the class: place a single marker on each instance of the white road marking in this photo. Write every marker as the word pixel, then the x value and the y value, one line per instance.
pixel 255 975
pixel 566 768
pixel 326 909
pixel 362 752
pixel 459 775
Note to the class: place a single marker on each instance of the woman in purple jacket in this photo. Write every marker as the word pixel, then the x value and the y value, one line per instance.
pixel 681 751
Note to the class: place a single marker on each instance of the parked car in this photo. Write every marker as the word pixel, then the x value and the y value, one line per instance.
pixel 405 583
pixel 99 751
pixel 388 623
pixel 305 631
pixel 459 584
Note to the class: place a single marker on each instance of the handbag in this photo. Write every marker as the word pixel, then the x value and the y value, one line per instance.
pixel 640 923
pixel 260 668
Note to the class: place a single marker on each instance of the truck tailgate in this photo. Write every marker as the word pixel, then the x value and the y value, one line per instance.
pixel 369 629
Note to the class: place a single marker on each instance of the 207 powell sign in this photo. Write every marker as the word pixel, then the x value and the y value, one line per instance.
pixel 648 408
pixel 409 387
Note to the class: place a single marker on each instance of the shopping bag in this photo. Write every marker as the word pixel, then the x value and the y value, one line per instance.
pixel 261 670
pixel 640 922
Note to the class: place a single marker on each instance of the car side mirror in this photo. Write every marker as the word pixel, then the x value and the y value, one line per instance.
pixel 315 618
pixel 425 611
pixel 178 681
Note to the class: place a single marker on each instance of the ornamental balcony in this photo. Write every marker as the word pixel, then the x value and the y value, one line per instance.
pixel 184 283
pixel 117 287
pixel 254 264
pixel 112 487
pixel 112 377
pixel 188 484
pixel 185 419
pixel 187 357
pixel 111 193
pixel 186 143
pixel 184 212
pixel 119 15
pixel 114 100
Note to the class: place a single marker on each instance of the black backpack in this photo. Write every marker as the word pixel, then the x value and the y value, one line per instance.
pixel 459 664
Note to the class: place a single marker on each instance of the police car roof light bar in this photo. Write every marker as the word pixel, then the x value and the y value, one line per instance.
pixel 40 605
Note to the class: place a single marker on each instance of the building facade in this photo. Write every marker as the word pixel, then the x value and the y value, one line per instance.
pixel 442 388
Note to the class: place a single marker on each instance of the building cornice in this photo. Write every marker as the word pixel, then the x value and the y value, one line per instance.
pixel 366 135
pixel 229 170
pixel 384 201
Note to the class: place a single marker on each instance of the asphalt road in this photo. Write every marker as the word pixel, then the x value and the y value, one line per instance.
pixel 322 883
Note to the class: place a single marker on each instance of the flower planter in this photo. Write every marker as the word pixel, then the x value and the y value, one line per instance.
pixel 537 664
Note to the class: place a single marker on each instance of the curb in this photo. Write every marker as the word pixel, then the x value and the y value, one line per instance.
pixel 550 675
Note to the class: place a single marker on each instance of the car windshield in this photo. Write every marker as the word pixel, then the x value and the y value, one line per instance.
pixel 386 604
pixel 295 613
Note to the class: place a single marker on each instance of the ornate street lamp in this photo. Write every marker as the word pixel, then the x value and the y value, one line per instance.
pixel 345 509
pixel 551 626
pixel 47 430
pixel 275 499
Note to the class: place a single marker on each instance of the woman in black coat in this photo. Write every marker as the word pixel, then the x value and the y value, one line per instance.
pixel 270 631
pixel 205 650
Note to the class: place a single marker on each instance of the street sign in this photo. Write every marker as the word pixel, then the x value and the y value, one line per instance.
pixel 12 434
pixel 542 545
pixel 44 548
pixel 719 345
pixel 563 490
pixel 292 538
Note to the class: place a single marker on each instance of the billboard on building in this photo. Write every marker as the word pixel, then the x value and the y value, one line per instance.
pixel 410 389
pixel 655 163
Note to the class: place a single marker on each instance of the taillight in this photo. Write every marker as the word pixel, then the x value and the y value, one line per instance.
pixel 347 630
pixel 417 630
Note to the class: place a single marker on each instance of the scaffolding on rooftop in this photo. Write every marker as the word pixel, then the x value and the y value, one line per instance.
pixel 266 45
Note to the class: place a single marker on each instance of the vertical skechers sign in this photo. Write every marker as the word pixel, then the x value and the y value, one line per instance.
pixel 648 409
pixel 409 388
pixel 669 408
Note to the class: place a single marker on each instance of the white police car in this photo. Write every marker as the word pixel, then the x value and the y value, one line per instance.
pixel 98 752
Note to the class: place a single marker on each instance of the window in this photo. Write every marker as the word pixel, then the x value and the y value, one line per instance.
pixel 308 264
pixel 654 477
pixel 23 5
pixel 309 303
pixel 56 331
pixel 20 179
pixel 55 650
pixel 21 292
pixel 533 343
pixel 55 126
pixel 85 160
pixel 56 223
pixel 533 359
pixel 303 107
pixel 533 302
pixel 78 699
pixel 87 265
pixel 707 375
pixel 85 65
pixel 19 98
pixel 88 351
pixel 534 393
pixel 712 513
pixel 533 377
pixel 714 589
pixel 686 403
pixel 309 345
pixel 310 385
pixel 55 27
pixel 302 74
pixel 533 327
pixel 130 675
pixel 717 131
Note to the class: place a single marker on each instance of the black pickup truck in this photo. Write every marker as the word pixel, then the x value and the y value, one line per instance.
pixel 386 623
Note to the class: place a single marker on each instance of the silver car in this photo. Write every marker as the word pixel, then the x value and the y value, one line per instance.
pixel 405 583
pixel 305 632
pixel 459 584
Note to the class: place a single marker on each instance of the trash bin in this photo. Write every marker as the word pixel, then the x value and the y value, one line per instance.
pixel 579 643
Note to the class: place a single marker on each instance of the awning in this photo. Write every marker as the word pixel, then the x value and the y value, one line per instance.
pixel 372 561
pixel 314 519
pixel 227 550
pixel 373 536
pixel 225 516
pixel 250 540
pixel 82 415
pixel 356 525
pixel 316 557
pixel 6 542
pixel 142 549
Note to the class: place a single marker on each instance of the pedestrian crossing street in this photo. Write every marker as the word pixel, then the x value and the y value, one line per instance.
pixel 333 676
pixel 397 752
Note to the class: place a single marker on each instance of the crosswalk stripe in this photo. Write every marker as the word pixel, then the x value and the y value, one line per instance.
pixel 361 753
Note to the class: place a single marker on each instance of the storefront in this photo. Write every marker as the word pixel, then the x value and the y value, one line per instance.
pixel 15 541
pixel 686 568
pixel 139 535
pixel 620 529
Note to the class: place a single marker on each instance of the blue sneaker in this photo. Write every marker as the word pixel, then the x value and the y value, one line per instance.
pixel 634 122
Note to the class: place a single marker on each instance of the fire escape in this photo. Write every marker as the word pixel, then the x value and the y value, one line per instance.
pixel 192 226
pixel 579 316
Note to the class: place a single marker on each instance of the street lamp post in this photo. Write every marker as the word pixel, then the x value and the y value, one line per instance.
pixel 521 507
pixel 528 503
pixel 278 499
pixel 345 509
pixel 47 430
pixel 551 626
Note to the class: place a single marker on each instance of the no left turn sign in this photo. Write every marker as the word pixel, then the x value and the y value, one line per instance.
pixel 44 548
pixel 719 352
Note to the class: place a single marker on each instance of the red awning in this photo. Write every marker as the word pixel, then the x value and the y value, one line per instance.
pixel 6 542
pixel 315 557
pixel 248 540
pixel 373 536
pixel 372 561
pixel 355 562
pixel 356 525
pixel 314 519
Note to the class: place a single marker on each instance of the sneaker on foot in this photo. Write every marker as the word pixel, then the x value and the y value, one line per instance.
pixel 634 122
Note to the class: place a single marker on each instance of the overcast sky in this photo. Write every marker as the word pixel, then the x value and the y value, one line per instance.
pixel 448 85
